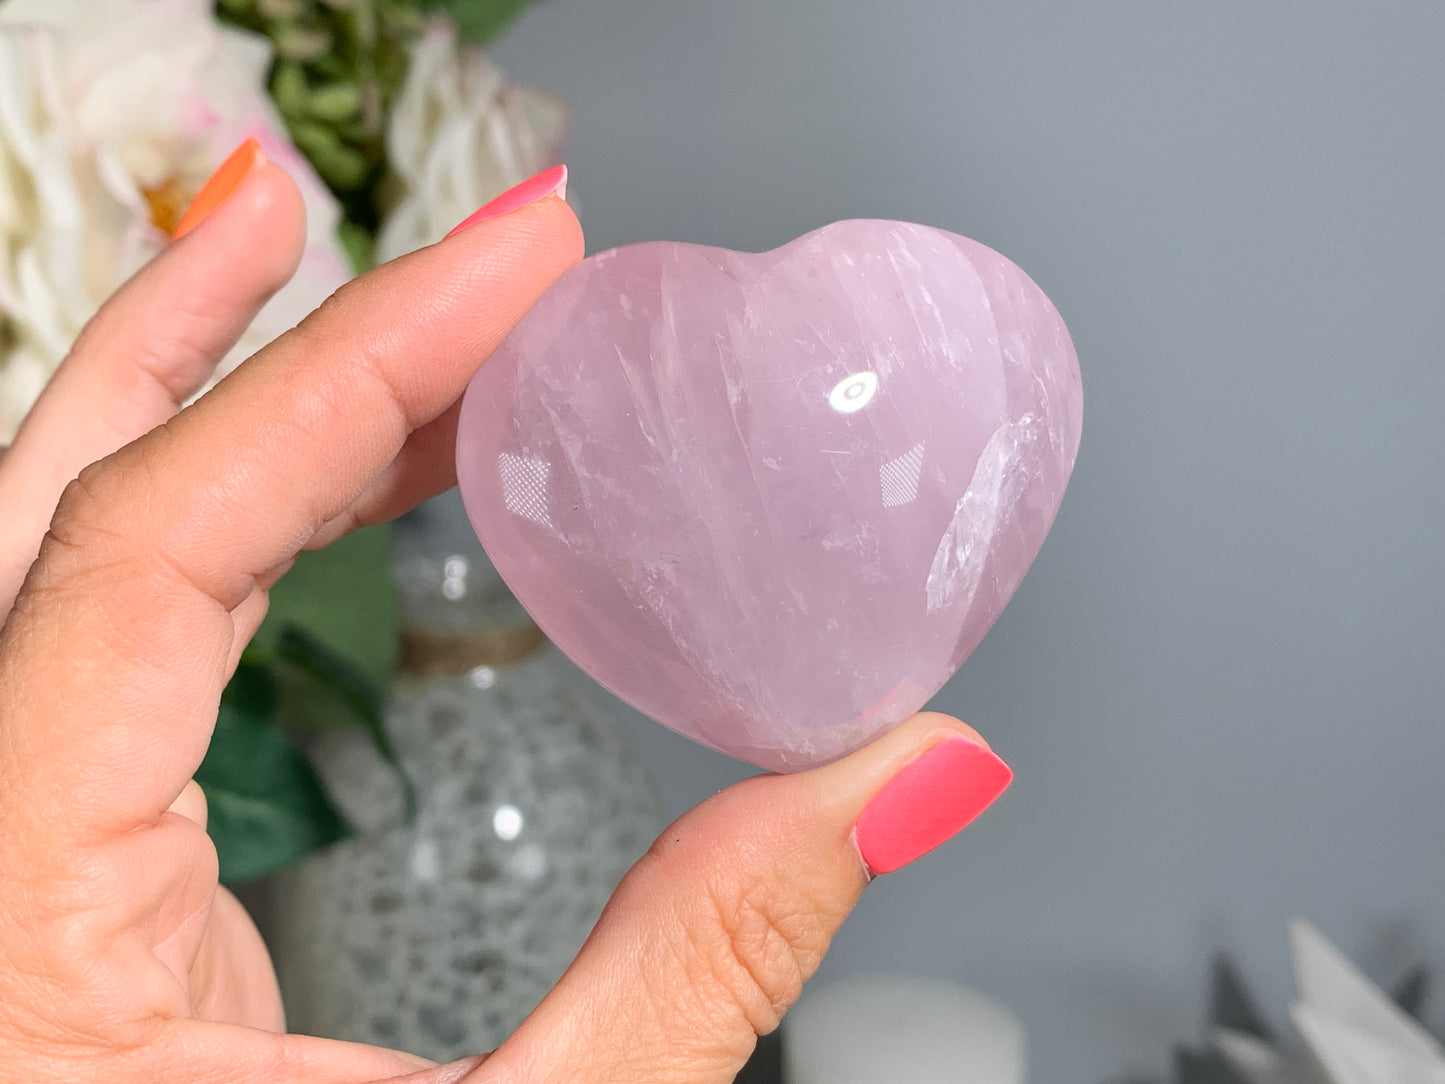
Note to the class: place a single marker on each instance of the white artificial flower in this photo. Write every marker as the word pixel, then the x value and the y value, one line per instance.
pixel 457 136
pixel 112 116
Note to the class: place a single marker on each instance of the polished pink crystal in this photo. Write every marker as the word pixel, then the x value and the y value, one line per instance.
pixel 774 500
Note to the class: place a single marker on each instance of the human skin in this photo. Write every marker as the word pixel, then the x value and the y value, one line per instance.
pixel 137 543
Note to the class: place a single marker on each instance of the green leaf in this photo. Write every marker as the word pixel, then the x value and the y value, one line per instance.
pixel 347 682
pixel 343 596
pixel 252 690
pixel 348 51
pixel 335 102
pixel 300 43
pixel 339 165
pixel 267 806
pixel 289 88
pixel 478 21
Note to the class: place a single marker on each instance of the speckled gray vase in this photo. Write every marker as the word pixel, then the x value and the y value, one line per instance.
pixel 439 936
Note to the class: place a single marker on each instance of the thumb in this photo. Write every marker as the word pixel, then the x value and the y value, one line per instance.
pixel 712 934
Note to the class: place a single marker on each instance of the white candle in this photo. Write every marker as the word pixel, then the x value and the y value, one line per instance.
pixel 887 1029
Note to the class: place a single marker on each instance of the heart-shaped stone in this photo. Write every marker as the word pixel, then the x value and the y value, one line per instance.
pixel 774 500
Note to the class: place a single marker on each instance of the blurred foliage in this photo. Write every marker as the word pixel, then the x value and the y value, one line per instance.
pixel 266 805
pixel 323 659
pixel 478 21
pixel 345 598
pixel 339 65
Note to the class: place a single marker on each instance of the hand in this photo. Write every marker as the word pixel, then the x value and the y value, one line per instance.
pixel 120 957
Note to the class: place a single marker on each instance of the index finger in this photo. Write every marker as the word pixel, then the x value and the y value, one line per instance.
pixel 114 658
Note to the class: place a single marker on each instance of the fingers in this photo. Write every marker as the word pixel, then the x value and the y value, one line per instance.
pixel 153 549
pixel 425 467
pixel 231 979
pixel 711 936
pixel 151 347
pixel 191 804
pixel 194 1050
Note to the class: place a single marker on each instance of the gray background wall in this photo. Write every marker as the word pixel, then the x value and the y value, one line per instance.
pixel 1222 686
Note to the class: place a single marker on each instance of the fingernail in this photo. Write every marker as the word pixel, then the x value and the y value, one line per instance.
pixel 551 182
pixel 228 176
pixel 936 795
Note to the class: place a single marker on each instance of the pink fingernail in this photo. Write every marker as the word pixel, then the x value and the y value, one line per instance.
pixel 551 182
pixel 934 796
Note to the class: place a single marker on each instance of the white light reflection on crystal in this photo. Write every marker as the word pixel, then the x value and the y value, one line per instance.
pixel 852 393
pixel 898 478
pixel 507 822
pixel 483 677
pixel 524 487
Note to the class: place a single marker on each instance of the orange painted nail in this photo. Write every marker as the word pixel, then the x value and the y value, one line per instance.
pixel 227 178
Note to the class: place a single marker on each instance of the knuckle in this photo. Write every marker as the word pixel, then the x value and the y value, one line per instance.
pixel 101 510
pixel 335 307
pixel 757 947
pixel 352 305
pixel 119 489
pixel 79 498
pixel 104 534
pixel 174 355
pixel 752 928
pixel 83 513
pixel 373 347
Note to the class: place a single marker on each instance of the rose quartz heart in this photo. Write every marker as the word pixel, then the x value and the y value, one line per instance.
pixel 774 500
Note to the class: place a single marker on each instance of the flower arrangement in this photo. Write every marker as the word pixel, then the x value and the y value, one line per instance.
pixel 394 125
